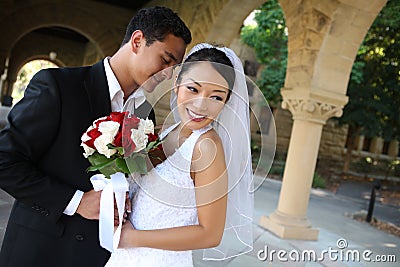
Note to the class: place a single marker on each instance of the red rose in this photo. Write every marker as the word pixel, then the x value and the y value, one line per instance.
pixel 118 116
pixel 131 122
pixel 93 134
pixel 118 139
pixel 152 137
pixel 127 143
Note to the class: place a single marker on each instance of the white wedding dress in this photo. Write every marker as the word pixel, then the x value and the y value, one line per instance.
pixel 165 198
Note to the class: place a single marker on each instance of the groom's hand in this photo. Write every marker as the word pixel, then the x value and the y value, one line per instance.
pixel 89 207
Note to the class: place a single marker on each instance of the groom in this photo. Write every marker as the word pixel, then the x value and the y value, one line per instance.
pixel 54 220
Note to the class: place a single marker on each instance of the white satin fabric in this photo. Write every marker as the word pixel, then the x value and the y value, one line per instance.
pixel 115 186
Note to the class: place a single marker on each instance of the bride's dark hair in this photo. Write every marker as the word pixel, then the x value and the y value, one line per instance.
pixel 213 55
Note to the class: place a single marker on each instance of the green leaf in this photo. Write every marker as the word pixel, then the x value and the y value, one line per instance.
pixel 110 168
pixel 111 146
pixel 153 144
pixel 98 162
pixel 107 166
pixel 119 149
pixel 97 159
pixel 121 164
pixel 137 164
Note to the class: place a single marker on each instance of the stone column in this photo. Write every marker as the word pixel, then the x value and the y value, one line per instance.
pixel 359 142
pixel 310 112
pixel 393 148
pixel 6 99
pixel 376 145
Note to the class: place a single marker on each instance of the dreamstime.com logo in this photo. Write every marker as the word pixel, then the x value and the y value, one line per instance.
pixel 341 253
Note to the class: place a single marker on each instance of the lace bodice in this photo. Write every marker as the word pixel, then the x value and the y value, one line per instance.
pixel 163 198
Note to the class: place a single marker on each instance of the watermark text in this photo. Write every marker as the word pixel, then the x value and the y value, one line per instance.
pixel 340 253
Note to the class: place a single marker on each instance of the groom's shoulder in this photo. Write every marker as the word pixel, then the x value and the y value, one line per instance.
pixel 62 73
pixel 74 70
pixel 69 75
pixel 69 71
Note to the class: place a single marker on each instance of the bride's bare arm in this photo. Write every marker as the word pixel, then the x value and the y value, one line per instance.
pixel 211 187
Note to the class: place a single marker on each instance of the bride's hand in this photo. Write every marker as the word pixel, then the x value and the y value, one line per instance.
pixel 127 236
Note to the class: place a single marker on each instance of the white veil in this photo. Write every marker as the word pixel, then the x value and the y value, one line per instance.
pixel 233 127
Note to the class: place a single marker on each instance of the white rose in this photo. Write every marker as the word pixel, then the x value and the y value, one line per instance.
pixel 109 128
pixel 86 137
pixel 101 143
pixel 139 138
pixel 146 126
pixel 94 123
pixel 88 150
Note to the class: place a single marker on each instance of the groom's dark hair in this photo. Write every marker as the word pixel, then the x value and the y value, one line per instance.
pixel 155 23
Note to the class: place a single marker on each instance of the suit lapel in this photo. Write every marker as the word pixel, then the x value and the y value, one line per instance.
pixel 97 89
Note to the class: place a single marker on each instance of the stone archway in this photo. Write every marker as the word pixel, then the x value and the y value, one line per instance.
pixel 66 53
pixel 104 37
pixel 74 15
pixel 235 11
pixel 217 21
pixel 322 45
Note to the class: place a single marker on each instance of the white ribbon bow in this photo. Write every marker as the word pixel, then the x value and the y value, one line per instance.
pixel 116 185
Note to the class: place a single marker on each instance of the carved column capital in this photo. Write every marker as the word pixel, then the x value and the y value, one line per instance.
pixel 314 105
pixel 312 110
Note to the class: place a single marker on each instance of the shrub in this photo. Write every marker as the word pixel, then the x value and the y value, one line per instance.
pixel 318 181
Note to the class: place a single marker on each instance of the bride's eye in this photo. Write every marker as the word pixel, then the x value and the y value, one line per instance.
pixel 191 88
pixel 217 98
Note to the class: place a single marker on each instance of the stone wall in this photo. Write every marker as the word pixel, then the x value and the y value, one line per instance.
pixel 333 137
pixel 333 140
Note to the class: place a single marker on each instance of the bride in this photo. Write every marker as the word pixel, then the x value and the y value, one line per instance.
pixel 200 196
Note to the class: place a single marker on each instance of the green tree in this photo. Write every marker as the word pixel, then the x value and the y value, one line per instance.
pixel 374 91
pixel 269 40
pixel 374 96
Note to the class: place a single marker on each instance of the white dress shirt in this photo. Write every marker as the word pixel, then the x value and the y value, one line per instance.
pixel 136 99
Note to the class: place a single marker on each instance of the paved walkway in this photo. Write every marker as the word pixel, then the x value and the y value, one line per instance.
pixel 327 212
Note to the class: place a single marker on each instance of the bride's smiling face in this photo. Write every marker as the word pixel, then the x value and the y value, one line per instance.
pixel 201 95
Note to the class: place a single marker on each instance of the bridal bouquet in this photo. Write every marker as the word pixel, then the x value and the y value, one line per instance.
pixel 116 146
pixel 119 142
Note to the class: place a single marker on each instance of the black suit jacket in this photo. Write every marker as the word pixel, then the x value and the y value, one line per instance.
pixel 41 166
